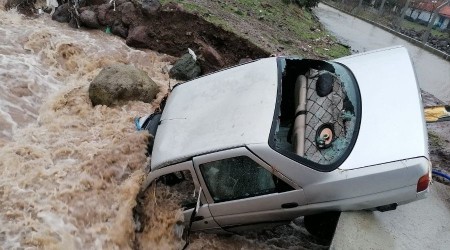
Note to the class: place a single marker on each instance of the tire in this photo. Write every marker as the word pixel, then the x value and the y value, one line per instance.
pixel 322 225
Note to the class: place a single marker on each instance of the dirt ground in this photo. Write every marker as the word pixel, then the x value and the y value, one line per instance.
pixel 438 139
pixel 276 27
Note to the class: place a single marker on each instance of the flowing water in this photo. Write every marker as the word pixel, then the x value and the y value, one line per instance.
pixel 70 172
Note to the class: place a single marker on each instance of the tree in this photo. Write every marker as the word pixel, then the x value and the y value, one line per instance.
pixel 431 23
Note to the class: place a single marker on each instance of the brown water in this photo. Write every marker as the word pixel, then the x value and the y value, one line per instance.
pixel 70 172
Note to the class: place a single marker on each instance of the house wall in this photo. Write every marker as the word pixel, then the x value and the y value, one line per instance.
pixel 445 24
pixel 425 16
pixel 421 14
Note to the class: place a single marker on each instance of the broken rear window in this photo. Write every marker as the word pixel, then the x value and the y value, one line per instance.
pixel 318 113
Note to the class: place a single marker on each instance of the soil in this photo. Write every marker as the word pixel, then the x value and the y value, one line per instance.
pixel 438 139
pixel 275 26
pixel 221 33
pixel 172 32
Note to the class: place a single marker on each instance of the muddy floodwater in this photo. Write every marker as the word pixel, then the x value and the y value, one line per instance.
pixel 433 73
pixel 70 172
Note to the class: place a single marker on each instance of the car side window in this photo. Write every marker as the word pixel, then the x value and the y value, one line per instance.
pixel 181 187
pixel 239 178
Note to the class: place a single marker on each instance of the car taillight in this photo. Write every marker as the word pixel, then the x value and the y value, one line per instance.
pixel 423 182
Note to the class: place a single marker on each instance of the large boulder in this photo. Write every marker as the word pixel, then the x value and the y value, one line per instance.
pixel 89 19
pixel 62 14
pixel 119 30
pixel 186 68
pixel 129 13
pixel 102 13
pixel 137 37
pixel 119 83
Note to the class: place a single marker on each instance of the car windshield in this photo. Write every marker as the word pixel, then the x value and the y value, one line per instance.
pixel 318 113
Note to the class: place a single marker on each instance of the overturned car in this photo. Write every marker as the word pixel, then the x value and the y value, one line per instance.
pixel 263 143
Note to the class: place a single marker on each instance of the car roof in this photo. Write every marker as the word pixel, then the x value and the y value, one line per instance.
pixel 223 110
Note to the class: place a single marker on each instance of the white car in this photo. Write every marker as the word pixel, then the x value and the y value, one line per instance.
pixel 265 142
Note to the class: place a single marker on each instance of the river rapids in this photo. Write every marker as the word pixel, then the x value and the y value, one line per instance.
pixel 70 172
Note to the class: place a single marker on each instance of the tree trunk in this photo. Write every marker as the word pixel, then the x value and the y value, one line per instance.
pixel 380 10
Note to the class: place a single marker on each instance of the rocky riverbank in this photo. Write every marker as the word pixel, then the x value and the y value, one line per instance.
pixel 167 29
pixel 220 32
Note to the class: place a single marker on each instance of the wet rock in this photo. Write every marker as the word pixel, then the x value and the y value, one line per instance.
pixel 119 83
pixel 129 13
pixel 102 13
pixel 62 14
pixel 120 2
pixel 186 68
pixel 137 37
pixel 89 19
pixel 150 7
pixel 211 56
pixel 119 29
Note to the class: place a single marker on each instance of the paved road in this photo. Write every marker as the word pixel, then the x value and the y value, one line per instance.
pixel 423 224
pixel 432 72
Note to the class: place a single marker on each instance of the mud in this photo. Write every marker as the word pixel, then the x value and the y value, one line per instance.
pixel 438 140
pixel 172 32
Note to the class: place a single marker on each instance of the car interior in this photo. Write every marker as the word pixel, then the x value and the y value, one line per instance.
pixel 315 116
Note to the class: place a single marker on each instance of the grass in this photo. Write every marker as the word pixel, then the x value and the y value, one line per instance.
pixel 418 27
pixel 295 24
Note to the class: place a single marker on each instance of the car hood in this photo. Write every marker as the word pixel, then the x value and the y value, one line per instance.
pixel 227 109
pixel 392 121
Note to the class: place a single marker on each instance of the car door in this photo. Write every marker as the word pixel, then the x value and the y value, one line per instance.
pixel 182 182
pixel 246 193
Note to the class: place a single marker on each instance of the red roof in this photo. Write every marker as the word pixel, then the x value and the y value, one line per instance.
pixel 445 11
pixel 430 6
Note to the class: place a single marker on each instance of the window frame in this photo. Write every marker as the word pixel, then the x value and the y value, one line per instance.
pixel 292 155
pixel 153 176
pixel 231 153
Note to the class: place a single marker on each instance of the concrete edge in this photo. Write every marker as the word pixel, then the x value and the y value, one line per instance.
pixel 416 42
pixel 374 230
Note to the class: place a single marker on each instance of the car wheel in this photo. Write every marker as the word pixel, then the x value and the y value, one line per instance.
pixel 322 225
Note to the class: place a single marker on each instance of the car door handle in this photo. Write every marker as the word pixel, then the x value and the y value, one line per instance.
pixel 289 205
pixel 197 218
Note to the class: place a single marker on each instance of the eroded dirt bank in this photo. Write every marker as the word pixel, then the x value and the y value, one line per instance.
pixel 168 29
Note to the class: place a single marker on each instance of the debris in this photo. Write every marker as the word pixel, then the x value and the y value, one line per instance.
pixel 194 56
pixel 437 113
pixel 186 68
